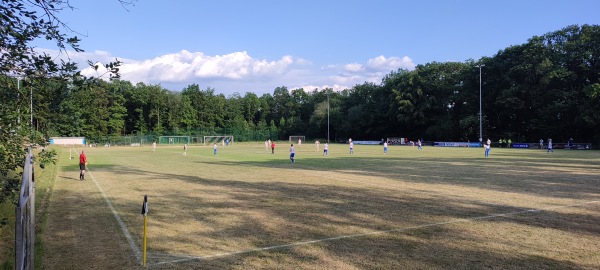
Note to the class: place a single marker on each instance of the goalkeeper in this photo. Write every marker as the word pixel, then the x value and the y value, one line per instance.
pixel 82 164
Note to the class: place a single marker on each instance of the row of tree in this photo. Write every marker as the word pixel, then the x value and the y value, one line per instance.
pixel 546 88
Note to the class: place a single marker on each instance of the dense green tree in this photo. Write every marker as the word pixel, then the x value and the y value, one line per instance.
pixel 265 107
pixel 282 105
pixel 251 108
pixel 137 109
pixel 188 113
pixel 117 110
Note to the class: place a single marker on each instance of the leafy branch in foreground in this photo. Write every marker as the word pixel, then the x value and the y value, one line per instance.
pixel 24 21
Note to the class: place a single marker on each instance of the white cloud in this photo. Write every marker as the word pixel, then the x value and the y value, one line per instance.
pixel 354 67
pixel 310 88
pixel 373 71
pixel 186 66
pixel 329 67
pixel 391 63
pixel 240 72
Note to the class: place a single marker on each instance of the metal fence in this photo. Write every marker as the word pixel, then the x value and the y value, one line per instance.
pixel 25 218
pixel 125 140
pixel 241 135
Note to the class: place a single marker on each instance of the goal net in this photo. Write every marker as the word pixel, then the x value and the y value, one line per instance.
pixel 297 139
pixel 174 140
pixel 197 140
pixel 219 139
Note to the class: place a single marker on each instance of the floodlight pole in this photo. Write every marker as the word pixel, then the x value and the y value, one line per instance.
pixel 480 111
pixel 327 115
pixel 31 111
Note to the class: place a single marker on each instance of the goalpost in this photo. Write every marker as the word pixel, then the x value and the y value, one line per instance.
pixel 174 140
pixel 297 139
pixel 197 140
pixel 219 139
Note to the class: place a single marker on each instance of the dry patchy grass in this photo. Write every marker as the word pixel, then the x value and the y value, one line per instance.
pixel 247 209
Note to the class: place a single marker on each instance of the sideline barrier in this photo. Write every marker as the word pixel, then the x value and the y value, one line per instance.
pixel 368 142
pixel 573 146
pixel 520 145
pixel 458 144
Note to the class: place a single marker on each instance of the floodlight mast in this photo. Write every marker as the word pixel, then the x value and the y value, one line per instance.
pixel 327 116
pixel 480 111
pixel 31 112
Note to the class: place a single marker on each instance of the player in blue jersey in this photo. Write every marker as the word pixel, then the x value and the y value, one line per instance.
pixel 292 153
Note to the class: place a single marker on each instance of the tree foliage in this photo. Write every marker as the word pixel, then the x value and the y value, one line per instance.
pixel 24 21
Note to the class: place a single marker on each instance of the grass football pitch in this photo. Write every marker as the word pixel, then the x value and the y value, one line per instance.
pixel 245 208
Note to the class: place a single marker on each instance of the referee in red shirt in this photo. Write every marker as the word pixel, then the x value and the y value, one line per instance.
pixel 82 163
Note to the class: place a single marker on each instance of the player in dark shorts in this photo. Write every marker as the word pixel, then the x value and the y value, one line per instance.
pixel 82 163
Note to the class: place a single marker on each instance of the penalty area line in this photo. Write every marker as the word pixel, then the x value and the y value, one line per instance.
pixel 308 242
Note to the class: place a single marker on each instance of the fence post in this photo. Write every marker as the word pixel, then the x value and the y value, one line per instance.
pixel 18 234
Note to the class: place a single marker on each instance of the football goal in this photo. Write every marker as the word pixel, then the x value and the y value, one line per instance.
pixel 197 140
pixel 221 139
pixel 174 140
pixel 297 139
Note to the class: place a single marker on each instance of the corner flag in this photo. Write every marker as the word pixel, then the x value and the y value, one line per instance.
pixel 145 206
pixel 145 213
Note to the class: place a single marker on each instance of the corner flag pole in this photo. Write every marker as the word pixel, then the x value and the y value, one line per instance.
pixel 145 213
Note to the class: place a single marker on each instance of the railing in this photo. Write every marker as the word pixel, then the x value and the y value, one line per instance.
pixel 25 218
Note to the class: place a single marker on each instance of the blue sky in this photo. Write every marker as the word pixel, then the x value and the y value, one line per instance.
pixel 256 46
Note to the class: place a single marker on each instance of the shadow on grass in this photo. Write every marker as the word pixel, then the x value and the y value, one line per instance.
pixel 319 212
pixel 541 177
pixel 263 214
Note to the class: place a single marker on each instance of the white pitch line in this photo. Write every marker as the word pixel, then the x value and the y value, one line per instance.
pixel 136 250
pixel 462 220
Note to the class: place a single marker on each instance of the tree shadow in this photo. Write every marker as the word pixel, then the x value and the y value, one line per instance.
pixel 263 214
pixel 540 177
